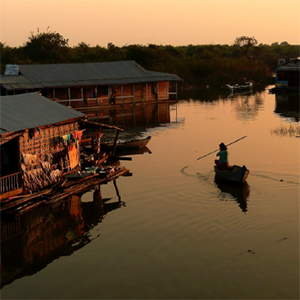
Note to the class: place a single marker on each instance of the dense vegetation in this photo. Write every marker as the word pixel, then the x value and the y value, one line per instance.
pixel 198 65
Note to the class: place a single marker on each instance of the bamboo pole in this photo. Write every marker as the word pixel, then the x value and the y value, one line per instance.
pixel 219 149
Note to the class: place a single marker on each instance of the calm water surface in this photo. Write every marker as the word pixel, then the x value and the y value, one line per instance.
pixel 180 233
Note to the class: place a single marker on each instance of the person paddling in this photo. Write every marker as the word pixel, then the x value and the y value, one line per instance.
pixel 223 154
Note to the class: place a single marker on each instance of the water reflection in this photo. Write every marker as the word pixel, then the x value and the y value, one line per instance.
pixel 234 94
pixel 135 119
pixel 29 242
pixel 287 106
pixel 240 193
pixel 247 104
pixel 132 115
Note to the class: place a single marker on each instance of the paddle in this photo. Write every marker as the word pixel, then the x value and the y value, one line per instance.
pixel 219 149
pixel 216 150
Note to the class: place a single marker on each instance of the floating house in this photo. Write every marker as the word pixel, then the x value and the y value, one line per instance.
pixel 39 141
pixel 287 74
pixel 86 85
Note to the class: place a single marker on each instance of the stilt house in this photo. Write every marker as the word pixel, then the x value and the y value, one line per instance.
pixel 85 85
pixel 39 143
pixel 287 74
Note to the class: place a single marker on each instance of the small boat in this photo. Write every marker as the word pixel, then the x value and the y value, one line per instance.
pixel 120 146
pixel 137 143
pixel 239 87
pixel 232 173
pixel 133 151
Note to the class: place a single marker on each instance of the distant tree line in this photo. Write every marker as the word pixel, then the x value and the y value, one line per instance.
pixel 197 65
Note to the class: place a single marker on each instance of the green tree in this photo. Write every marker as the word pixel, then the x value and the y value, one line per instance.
pixel 247 46
pixel 46 47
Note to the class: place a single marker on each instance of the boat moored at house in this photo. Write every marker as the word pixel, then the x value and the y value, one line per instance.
pixel 120 146
pixel 86 85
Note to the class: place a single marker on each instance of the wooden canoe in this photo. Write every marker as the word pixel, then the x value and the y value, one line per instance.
pixel 232 173
pixel 120 146
pixel 138 143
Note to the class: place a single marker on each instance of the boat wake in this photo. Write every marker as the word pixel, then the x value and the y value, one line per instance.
pixel 202 176
pixel 183 171
pixel 264 176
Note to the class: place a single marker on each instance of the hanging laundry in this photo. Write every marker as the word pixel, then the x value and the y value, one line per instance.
pixel 73 157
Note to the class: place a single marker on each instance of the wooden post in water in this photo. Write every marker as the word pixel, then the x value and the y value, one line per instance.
pixel 115 143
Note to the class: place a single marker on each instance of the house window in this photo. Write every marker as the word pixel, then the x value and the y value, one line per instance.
pixel 282 75
pixel 92 93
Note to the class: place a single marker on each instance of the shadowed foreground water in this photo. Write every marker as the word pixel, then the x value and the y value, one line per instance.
pixel 172 230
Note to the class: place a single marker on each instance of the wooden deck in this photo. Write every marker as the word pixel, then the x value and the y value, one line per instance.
pixel 118 105
pixel 60 190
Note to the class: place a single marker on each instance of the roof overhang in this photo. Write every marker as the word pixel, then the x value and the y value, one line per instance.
pixel 33 77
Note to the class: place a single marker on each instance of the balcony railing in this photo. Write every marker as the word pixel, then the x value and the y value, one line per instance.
pixel 10 183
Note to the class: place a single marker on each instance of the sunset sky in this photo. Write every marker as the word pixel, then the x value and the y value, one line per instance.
pixel 161 22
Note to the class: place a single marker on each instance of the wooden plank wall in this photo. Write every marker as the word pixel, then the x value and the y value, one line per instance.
pixel 99 96
pixel 41 144
pixel 44 143
pixel 42 148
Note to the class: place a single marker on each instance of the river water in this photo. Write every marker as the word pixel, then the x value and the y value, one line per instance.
pixel 172 231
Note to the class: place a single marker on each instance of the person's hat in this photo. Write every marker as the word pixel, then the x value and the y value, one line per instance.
pixel 222 146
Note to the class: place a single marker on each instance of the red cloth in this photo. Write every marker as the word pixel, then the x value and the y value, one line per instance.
pixel 219 164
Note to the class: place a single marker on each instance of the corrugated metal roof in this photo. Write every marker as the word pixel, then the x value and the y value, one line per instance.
pixel 293 65
pixel 24 111
pixel 82 74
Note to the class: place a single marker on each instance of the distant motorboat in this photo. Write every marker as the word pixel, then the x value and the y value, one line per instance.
pixel 240 86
